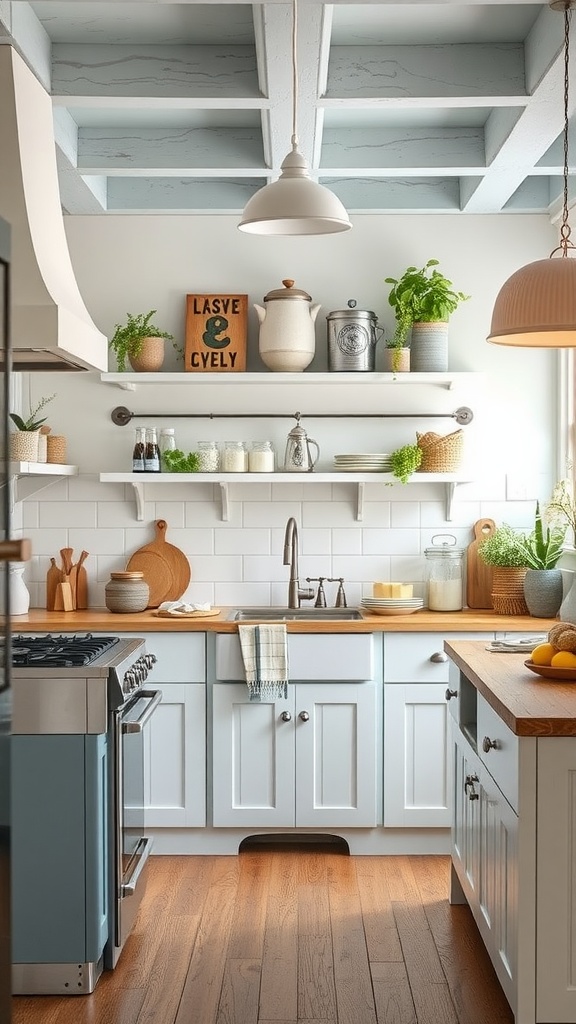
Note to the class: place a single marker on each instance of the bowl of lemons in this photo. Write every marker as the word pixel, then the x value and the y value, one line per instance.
pixel 556 659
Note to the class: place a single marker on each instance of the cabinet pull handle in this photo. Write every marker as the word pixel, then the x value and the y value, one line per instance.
pixel 450 693
pixel 286 716
pixel 439 657
pixel 469 785
pixel 488 744
pixel 304 716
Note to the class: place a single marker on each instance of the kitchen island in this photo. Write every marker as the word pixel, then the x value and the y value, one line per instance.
pixel 513 742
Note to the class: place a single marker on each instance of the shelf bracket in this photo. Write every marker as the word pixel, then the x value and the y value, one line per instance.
pixel 360 502
pixel 224 503
pixel 450 494
pixel 138 489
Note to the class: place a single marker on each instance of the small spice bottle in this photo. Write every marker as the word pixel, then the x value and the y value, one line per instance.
pixel 152 452
pixel 139 447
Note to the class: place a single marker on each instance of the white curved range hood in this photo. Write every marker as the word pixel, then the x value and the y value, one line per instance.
pixel 51 327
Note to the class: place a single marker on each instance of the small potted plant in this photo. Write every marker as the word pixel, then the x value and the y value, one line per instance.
pixel 24 440
pixel 504 551
pixel 424 300
pixel 405 461
pixel 139 341
pixel 543 581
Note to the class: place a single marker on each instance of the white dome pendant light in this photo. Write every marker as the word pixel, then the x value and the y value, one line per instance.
pixel 294 204
pixel 536 307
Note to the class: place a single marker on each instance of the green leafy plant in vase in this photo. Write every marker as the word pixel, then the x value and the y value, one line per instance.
pixel 140 342
pixel 503 550
pixel 543 586
pixel 425 296
pixel 24 440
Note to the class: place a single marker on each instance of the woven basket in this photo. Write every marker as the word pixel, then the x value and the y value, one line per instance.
pixel 56 448
pixel 508 591
pixel 440 454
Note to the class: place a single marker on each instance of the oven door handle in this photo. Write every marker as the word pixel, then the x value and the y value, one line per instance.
pixel 138 725
pixel 128 888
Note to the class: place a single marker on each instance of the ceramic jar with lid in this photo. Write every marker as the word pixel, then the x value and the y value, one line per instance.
pixel 287 339
pixel 261 457
pixel 234 457
pixel 126 592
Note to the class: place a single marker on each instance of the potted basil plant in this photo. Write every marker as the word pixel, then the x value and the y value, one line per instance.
pixel 424 299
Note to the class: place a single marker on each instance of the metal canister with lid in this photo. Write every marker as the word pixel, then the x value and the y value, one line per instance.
pixel 444 573
pixel 352 338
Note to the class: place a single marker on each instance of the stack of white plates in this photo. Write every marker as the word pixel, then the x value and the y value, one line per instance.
pixel 392 605
pixel 363 463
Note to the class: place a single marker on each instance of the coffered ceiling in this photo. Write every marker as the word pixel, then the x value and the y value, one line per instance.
pixel 186 107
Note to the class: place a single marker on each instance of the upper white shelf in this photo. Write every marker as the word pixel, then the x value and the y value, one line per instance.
pixel 130 381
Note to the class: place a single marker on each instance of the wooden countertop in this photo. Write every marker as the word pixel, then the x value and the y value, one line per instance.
pixel 529 704
pixel 423 621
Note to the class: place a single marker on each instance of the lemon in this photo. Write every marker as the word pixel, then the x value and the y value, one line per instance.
pixel 543 654
pixel 564 659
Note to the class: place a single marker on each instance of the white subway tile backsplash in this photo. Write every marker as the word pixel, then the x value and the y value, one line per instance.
pixel 336 513
pixel 172 512
pixel 347 542
pixel 48 542
pixel 316 542
pixel 404 514
pixel 97 542
pixel 88 488
pixel 251 594
pixel 67 513
pixel 263 568
pixel 269 514
pixel 300 491
pixel 55 490
pixel 408 569
pixel 121 514
pixel 217 568
pixel 391 542
pixel 194 541
pixel 30 515
pixel 244 542
pixel 209 514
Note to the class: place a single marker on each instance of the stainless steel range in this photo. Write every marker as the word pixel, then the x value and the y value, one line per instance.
pixel 79 850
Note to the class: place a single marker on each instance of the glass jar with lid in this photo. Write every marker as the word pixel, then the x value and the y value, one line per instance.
pixel 167 444
pixel 261 457
pixel 208 457
pixel 444 565
pixel 235 457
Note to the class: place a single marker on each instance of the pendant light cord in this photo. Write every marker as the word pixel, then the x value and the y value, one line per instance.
pixel 294 75
pixel 565 242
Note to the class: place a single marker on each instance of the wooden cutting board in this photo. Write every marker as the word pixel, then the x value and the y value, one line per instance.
pixel 53 578
pixel 81 582
pixel 177 560
pixel 478 574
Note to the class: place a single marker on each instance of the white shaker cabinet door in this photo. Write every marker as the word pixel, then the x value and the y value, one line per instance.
pixel 253 759
pixel 175 758
pixel 336 755
pixel 466 768
pixel 417 762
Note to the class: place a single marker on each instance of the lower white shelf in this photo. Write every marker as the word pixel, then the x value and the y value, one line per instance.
pixel 27 478
pixel 449 481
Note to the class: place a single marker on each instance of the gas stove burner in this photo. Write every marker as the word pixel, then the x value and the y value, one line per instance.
pixel 49 651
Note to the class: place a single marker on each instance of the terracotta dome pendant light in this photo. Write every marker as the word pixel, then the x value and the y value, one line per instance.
pixel 536 307
pixel 294 204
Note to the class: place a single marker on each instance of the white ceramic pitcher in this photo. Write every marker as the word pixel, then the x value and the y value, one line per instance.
pixel 287 339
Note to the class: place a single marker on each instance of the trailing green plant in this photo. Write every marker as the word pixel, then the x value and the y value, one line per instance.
pixel 32 423
pixel 504 548
pixel 405 461
pixel 178 462
pixel 128 338
pixel 422 295
pixel 543 549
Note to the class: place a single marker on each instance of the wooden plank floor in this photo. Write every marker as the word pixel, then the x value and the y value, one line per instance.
pixel 292 935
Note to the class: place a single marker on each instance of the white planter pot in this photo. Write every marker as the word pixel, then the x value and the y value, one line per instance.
pixel 24 445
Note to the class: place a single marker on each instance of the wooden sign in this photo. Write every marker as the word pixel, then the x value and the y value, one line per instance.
pixel 216 333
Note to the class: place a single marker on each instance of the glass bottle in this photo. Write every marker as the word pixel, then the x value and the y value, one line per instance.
pixel 152 452
pixel 261 457
pixel 139 447
pixel 209 457
pixel 167 444
pixel 235 458
pixel 444 572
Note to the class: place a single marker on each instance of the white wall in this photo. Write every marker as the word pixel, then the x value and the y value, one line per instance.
pixel 138 263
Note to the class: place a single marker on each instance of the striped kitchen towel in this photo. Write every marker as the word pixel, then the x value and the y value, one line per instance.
pixel 265 655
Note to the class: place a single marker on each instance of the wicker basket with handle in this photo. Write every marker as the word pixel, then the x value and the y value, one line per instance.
pixel 440 453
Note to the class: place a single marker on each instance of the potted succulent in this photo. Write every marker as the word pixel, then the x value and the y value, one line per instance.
pixel 139 341
pixel 543 581
pixel 424 300
pixel 24 440
pixel 504 551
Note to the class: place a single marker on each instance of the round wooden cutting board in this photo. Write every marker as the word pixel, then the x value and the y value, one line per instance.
pixel 166 569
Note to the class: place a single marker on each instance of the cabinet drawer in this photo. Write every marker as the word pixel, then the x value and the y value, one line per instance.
pixel 408 656
pixel 327 656
pixel 502 760
pixel 181 657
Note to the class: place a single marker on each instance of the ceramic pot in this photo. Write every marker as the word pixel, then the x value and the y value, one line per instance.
pixel 508 590
pixel 126 592
pixel 24 445
pixel 151 356
pixel 429 348
pixel 543 592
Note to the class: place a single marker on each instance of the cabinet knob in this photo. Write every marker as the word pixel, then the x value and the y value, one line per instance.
pixel 286 716
pixel 469 785
pixel 450 693
pixel 439 657
pixel 304 716
pixel 488 744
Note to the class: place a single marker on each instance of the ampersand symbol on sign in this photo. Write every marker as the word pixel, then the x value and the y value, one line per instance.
pixel 215 325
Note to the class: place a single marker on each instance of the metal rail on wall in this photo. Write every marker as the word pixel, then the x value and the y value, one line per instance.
pixel 122 416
